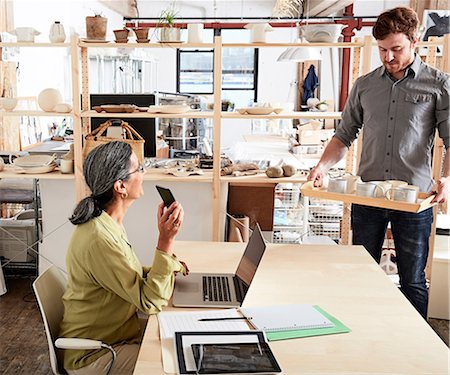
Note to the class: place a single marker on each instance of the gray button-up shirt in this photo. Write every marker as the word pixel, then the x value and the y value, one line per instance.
pixel 400 119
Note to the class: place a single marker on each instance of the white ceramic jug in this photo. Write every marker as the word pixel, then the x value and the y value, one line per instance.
pixel 259 31
pixel 57 34
pixel 25 34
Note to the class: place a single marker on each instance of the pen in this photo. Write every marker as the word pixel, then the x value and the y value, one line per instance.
pixel 233 318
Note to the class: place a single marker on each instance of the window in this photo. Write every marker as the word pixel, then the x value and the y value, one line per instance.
pixel 195 70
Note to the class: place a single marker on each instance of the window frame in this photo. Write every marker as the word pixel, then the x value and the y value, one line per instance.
pixel 217 32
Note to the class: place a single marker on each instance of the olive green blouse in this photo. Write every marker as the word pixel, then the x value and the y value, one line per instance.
pixel 107 285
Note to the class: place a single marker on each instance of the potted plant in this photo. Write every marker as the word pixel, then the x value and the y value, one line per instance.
pixel 96 26
pixel 166 25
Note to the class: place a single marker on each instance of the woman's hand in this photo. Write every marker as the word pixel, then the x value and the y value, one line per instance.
pixel 169 224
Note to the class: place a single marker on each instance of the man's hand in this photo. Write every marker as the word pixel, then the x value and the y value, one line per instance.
pixel 317 176
pixel 442 190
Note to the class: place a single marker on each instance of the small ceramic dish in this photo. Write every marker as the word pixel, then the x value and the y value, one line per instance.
pixel 259 110
pixel 115 108
pixel 33 161
pixel 170 108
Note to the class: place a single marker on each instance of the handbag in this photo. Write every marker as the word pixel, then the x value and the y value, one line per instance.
pixel 132 137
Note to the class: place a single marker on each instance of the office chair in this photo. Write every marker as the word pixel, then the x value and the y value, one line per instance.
pixel 49 288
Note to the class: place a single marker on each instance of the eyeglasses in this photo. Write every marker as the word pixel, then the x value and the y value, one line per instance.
pixel 140 169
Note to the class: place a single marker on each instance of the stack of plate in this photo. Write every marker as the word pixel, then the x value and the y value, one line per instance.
pixel 34 164
pixel 169 108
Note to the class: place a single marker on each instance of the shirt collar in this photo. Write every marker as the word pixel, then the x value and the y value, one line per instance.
pixel 412 69
pixel 112 226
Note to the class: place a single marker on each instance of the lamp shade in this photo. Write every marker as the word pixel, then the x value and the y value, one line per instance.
pixel 302 53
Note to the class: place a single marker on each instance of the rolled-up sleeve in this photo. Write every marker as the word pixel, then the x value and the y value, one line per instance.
pixel 352 117
pixel 443 111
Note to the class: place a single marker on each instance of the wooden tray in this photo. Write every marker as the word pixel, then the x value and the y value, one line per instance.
pixel 423 202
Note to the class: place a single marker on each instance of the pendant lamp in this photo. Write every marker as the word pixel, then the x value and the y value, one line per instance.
pixel 298 54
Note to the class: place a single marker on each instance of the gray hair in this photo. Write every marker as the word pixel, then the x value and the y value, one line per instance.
pixel 103 166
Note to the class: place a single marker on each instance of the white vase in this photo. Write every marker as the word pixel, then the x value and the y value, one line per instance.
pixel 57 34
pixel 195 33
pixel 169 34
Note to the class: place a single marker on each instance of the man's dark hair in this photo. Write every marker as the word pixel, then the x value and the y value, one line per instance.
pixel 394 21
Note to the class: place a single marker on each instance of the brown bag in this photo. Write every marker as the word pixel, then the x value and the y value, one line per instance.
pixel 95 138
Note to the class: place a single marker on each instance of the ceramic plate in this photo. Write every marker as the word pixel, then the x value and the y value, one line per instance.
pixel 183 172
pixel 258 110
pixel 33 161
pixel 171 41
pixel 36 170
pixel 94 41
pixel 174 109
pixel 116 108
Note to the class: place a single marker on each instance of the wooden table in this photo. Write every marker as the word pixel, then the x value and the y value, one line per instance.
pixel 388 335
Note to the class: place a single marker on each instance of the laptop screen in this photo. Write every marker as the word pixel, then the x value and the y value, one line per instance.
pixel 252 256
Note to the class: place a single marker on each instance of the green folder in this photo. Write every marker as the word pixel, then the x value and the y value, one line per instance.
pixel 297 333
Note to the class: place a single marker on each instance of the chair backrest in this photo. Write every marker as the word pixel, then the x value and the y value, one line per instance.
pixel 49 288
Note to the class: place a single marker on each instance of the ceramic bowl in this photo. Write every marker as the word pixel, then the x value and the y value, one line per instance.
pixel 322 33
pixel 8 104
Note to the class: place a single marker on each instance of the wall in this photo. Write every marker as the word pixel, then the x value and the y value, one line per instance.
pixel 140 221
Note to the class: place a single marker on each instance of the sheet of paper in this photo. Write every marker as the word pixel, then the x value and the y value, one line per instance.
pixel 171 322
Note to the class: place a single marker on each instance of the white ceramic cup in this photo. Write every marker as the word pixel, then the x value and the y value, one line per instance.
pixel 337 185
pixel 351 182
pixel 397 183
pixel 66 166
pixel 195 33
pixel 367 189
pixel 406 193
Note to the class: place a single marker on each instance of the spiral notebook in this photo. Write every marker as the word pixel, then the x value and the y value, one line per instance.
pixel 286 317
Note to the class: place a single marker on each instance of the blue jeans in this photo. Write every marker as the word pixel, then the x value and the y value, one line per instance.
pixel 411 232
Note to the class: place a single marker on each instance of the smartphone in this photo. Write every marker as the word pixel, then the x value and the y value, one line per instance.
pixel 166 195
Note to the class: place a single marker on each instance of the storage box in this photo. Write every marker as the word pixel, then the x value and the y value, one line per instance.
pixel 15 237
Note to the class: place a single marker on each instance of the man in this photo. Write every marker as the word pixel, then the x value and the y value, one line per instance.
pixel 400 105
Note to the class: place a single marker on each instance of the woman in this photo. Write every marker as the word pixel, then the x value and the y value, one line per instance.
pixel 107 284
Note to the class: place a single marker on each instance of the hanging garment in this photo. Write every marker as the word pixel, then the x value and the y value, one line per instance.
pixel 310 84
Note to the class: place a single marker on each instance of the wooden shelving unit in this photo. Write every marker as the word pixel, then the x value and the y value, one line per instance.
pixel 81 114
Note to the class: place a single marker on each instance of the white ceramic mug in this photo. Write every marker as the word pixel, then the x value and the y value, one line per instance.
pixel 397 183
pixel 406 193
pixel 66 166
pixel 337 185
pixel 367 189
pixel 384 186
pixel 195 33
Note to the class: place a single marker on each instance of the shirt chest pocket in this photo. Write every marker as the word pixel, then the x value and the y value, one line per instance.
pixel 418 98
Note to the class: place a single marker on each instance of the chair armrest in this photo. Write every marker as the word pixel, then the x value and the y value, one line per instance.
pixel 80 344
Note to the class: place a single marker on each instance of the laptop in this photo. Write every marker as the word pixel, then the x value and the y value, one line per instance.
pixel 221 290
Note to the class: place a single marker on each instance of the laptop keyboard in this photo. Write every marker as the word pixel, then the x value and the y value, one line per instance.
pixel 216 289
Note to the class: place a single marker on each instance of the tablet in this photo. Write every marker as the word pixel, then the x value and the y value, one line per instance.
pixel 235 358
pixel 220 348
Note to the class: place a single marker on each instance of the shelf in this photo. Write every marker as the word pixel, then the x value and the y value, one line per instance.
pixel 287 115
pixel 34 113
pixel 29 44
pixel 196 114
pixel 158 174
pixel 287 45
pixel 145 45
pixel 55 175
pixel 261 178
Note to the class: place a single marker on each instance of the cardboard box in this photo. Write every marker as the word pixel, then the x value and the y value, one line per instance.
pixel 15 237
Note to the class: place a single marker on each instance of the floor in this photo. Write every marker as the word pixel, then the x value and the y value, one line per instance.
pixel 23 344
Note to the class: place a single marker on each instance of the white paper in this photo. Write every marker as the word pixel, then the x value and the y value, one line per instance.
pixel 171 322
